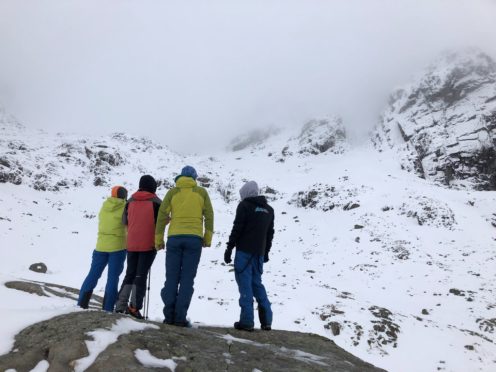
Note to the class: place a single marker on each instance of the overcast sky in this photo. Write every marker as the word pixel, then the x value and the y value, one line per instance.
pixel 192 73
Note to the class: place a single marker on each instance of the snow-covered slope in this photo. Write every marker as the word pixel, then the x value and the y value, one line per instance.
pixel 443 124
pixel 394 269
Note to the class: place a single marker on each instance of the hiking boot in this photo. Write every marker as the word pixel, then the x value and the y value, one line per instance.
pixel 186 324
pixel 85 300
pixel 134 312
pixel 265 327
pixel 243 327
pixel 168 322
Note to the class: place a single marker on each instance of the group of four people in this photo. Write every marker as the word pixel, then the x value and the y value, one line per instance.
pixel 137 225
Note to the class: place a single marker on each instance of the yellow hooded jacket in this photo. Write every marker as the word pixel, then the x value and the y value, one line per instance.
pixel 188 206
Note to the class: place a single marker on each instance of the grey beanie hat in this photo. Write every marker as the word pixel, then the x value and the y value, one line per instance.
pixel 248 190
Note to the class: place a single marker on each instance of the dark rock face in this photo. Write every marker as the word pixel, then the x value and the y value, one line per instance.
pixel 61 341
pixel 444 124
pixel 39 267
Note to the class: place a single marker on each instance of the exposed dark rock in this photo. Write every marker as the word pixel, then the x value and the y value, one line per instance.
pixel 166 184
pixel 457 292
pixel 61 341
pixel 335 328
pixel 204 181
pixel 384 331
pixel 326 198
pixel 270 193
pixel 39 267
pixel 487 325
pixel 429 212
pixel 349 206
pixel 400 249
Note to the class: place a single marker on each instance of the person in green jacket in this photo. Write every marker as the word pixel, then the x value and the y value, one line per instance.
pixel 110 250
pixel 188 208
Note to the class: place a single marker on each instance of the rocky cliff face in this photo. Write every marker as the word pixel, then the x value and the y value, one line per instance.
pixel 444 123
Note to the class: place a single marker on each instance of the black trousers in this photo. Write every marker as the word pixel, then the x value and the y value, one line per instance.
pixel 134 284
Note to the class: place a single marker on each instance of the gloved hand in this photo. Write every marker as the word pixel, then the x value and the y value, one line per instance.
pixel 160 247
pixel 207 239
pixel 266 257
pixel 227 256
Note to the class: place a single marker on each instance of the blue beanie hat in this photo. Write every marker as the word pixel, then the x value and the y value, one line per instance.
pixel 188 171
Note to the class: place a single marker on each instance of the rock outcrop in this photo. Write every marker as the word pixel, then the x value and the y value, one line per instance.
pixel 322 135
pixel 318 136
pixel 101 341
pixel 444 124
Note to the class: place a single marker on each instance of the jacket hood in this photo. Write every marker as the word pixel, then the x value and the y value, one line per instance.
pixel 185 181
pixel 249 189
pixel 143 195
pixel 113 204
pixel 259 201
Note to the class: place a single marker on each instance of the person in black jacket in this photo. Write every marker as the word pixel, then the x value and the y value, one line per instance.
pixel 252 233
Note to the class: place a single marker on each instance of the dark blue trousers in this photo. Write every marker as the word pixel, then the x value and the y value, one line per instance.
pixel 100 260
pixel 181 263
pixel 248 270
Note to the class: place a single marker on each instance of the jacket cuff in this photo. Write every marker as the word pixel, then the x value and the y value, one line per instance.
pixel 207 237
pixel 159 239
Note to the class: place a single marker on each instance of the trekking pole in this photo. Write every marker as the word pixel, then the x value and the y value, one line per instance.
pixel 147 299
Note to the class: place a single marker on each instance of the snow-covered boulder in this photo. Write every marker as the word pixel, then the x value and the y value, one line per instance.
pixel 443 124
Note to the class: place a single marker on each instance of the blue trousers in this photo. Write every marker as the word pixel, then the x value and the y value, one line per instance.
pixel 100 260
pixel 181 263
pixel 248 270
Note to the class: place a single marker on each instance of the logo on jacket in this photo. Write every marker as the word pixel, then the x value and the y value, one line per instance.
pixel 260 209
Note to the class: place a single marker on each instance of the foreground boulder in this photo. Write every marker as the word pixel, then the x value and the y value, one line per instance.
pixel 443 125
pixel 99 341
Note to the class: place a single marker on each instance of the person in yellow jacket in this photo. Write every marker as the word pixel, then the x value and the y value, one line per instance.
pixel 189 210
pixel 110 250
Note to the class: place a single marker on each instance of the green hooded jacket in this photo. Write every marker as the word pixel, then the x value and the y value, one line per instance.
pixel 111 230
pixel 189 208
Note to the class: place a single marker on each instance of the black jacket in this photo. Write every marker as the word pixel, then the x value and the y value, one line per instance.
pixel 253 227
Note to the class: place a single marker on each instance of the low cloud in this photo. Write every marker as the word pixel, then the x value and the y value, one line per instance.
pixel 192 74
